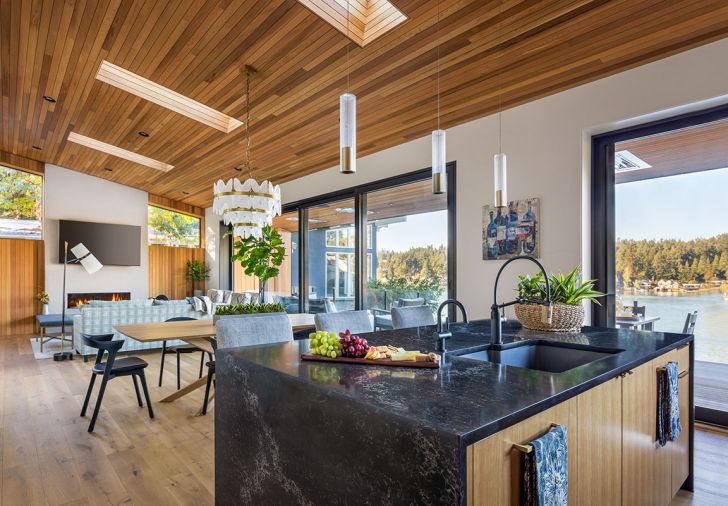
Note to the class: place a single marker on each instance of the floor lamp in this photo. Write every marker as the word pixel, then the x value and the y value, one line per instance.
pixel 91 264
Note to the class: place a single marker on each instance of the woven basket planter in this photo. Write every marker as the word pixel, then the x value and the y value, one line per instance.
pixel 564 318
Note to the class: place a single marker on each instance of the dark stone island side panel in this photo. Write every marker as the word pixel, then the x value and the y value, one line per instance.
pixel 270 423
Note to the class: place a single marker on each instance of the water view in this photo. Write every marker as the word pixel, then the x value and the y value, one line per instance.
pixel 711 330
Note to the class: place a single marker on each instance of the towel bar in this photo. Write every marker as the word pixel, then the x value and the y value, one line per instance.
pixel 683 374
pixel 661 369
pixel 529 448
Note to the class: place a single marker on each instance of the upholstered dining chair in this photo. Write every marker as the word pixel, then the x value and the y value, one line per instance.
pixel 179 350
pixel 412 316
pixel 358 322
pixel 246 330
pixel 113 368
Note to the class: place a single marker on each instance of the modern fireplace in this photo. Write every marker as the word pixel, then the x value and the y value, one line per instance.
pixel 76 299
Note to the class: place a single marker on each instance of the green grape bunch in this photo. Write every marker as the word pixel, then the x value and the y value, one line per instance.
pixel 325 344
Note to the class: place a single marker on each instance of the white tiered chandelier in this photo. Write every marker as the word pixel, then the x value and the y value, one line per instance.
pixel 248 206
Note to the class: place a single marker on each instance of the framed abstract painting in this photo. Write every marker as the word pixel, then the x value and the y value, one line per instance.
pixel 511 231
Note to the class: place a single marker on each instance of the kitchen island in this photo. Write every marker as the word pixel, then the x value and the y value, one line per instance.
pixel 289 431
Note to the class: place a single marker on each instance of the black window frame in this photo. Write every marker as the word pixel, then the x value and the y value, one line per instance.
pixel 358 194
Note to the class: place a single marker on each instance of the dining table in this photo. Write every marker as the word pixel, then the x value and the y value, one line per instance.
pixel 632 322
pixel 199 333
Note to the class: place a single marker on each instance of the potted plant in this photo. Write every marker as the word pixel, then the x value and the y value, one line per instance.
pixel 567 293
pixel 238 309
pixel 197 270
pixel 44 299
pixel 260 257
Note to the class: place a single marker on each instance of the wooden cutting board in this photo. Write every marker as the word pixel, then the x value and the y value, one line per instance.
pixel 362 361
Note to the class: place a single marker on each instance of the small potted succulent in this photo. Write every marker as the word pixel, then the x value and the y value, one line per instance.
pixel 567 294
pixel 44 299
pixel 246 309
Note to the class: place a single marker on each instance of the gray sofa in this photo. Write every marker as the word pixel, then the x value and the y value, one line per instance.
pixel 95 319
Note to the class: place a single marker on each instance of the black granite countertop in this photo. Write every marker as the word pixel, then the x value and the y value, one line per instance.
pixel 466 398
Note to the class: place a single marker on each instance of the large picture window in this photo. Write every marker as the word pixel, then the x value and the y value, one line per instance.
pixel 170 228
pixel 21 199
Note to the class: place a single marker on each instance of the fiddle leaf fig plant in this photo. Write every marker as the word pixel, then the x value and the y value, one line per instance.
pixel 566 289
pixel 197 271
pixel 260 257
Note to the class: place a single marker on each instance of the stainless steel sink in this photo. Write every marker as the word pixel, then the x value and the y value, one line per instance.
pixel 543 356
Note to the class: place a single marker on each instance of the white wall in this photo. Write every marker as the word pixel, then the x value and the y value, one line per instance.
pixel 547 142
pixel 212 247
pixel 71 195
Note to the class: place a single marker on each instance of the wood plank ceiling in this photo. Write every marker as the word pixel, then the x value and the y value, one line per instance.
pixel 198 48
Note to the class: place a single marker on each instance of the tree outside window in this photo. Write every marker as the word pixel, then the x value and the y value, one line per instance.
pixel 169 228
pixel 21 198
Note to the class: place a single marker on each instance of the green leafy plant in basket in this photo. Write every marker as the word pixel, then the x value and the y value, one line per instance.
pixel 567 293
pixel 197 271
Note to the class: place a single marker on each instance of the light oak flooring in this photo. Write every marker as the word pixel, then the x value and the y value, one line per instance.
pixel 48 458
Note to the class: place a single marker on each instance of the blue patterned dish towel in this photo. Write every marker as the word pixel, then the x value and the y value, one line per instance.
pixel 668 406
pixel 546 470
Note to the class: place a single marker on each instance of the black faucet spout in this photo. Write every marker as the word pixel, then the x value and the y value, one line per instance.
pixel 496 331
pixel 443 333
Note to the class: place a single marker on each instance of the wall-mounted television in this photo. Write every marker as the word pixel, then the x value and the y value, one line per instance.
pixel 111 244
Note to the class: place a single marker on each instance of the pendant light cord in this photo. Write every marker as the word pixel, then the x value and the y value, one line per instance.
pixel 247 123
pixel 500 83
pixel 437 34
pixel 348 43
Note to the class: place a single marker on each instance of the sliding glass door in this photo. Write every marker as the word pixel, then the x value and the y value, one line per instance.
pixel 407 242
pixel 330 256
pixel 373 246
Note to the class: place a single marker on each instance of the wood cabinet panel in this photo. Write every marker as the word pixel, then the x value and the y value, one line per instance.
pixel 639 401
pixel 599 436
pixel 681 448
pixel 494 466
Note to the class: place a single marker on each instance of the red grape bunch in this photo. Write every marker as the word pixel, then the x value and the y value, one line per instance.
pixel 353 346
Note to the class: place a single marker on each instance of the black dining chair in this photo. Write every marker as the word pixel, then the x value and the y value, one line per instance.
pixel 113 368
pixel 178 350
pixel 161 296
pixel 689 327
pixel 638 310
pixel 210 378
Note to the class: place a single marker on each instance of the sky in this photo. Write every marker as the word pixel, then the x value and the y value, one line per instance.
pixel 419 230
pixel 687 206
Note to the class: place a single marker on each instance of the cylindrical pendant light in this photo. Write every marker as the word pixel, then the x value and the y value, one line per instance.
pixel 347 133
pixel 439 181
pixel 500 180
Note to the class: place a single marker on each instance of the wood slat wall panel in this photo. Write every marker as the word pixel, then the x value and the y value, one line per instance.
pixel 168 268
pixel 22 277
pixel 494 53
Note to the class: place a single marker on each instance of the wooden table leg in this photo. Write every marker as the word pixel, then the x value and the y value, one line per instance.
pixel 185 390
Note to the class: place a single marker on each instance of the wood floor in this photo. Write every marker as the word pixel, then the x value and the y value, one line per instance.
pixel 48 458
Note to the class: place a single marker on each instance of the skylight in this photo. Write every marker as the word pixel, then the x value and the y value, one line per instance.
pixel 149 90
pixel 119 152
pixel 625 161
pixel 363 22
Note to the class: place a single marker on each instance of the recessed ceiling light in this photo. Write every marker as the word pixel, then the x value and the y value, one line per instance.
pixel 119 152
pixel 142 133
pixel 238 168
pixel 49 99
pixel 37 147
pixel 185 193
pixel 108 169
pixel 149 90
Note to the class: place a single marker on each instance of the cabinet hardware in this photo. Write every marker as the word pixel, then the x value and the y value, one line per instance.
pixel 624 374
pixel 662 369
pixel 529 448
pixel 683 374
